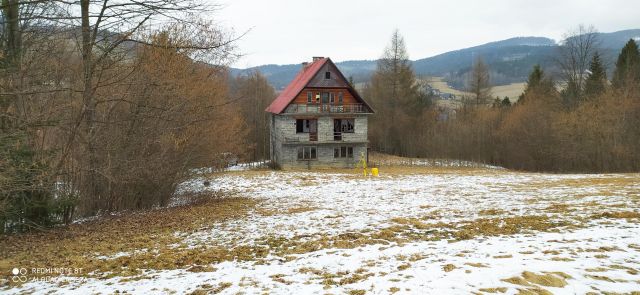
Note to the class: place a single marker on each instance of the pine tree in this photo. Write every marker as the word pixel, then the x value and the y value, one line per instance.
pixel 596 82
pixel 627 66
pixel 506 102
pixel 537 83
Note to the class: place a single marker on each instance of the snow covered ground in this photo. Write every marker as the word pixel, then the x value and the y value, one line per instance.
pixel 420 231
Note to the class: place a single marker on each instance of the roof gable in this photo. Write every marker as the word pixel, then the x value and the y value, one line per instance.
pixel 313 75
pixel 335 78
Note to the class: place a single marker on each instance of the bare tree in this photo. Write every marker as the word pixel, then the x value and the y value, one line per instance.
pixel 575 53
pixel 255 94
pixel 76 103
pixel 479 82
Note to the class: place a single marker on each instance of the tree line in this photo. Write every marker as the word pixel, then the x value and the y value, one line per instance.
pixel 108 106
pixel 577 120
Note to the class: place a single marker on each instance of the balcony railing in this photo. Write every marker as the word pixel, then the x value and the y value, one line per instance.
pixel 324 137
pixel 327 108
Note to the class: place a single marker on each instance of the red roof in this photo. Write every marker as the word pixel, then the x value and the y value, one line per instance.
pixel 294 88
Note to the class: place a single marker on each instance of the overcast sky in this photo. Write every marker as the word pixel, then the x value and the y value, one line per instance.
pixel 288 31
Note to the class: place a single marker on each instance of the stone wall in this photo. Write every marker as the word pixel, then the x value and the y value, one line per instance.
pixel 285 142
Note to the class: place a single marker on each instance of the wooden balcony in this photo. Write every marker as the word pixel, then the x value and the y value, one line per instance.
pixel 324 137
pixel 327 108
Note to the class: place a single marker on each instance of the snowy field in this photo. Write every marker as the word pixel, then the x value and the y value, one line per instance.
pixel 408 231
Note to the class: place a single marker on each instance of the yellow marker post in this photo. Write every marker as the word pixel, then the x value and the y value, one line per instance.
pixel 363 163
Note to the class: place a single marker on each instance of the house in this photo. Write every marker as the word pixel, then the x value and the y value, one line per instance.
pixel 318 120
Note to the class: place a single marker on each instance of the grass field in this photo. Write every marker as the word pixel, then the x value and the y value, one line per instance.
pixel 412 230
pixel 512 90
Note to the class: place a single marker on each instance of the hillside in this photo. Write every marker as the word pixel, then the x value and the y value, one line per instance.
pixel 510 60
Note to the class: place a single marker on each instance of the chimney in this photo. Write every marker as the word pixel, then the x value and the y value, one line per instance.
pixel 316 58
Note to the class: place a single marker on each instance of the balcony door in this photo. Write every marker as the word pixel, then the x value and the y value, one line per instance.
pixel 313 130
pixel 324 97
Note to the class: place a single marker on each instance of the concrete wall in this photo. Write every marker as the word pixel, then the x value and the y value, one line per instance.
pixel 285 142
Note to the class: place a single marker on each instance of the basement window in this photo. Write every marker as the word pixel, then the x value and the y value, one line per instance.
pixel 327 75
pixel 307 153
pixel 343 152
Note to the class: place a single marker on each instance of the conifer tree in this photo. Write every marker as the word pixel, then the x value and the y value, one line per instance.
pixel 627 66
pixel 596 82
pixel 396 97
pixel 479 83
pixel 537 83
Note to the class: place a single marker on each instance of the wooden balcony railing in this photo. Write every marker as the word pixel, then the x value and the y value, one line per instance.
pixel 324 137
pixel 327 108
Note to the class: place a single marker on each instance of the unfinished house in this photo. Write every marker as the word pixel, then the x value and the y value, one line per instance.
pixel 319 120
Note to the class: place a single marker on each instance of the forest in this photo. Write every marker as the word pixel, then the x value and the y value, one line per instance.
pixel 102 112
pixel 582 122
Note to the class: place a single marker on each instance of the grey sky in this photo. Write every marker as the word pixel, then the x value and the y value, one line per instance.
pixel 287 31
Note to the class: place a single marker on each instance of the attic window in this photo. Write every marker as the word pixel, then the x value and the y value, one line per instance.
pixel 327 75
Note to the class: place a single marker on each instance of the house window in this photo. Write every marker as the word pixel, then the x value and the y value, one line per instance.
pixel 332 97
pixel 325 97
pixel 307 153
pixel 306 125
pixel 327 75
pixel 309 97
pixel 343 152
pixel 344 125
pixel 340 97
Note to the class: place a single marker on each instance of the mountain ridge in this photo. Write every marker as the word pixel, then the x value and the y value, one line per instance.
pixel 510 60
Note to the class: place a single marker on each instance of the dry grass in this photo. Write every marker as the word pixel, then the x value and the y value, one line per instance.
pixel 506 226
pixel 503 256
pixel 600 278
pixel 512 90
pixel 404 266
pixel 488 212
pixel 475 264
pixel 533 291
pixel 549 279
pixel 516 281
pixel 291 210
pixel 77 245
pixel 493 290
pixel 448 267
pixel 619 214
pixel 342 278
pixel 559 208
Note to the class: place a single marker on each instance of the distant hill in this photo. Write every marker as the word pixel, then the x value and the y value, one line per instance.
pixel 510 60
